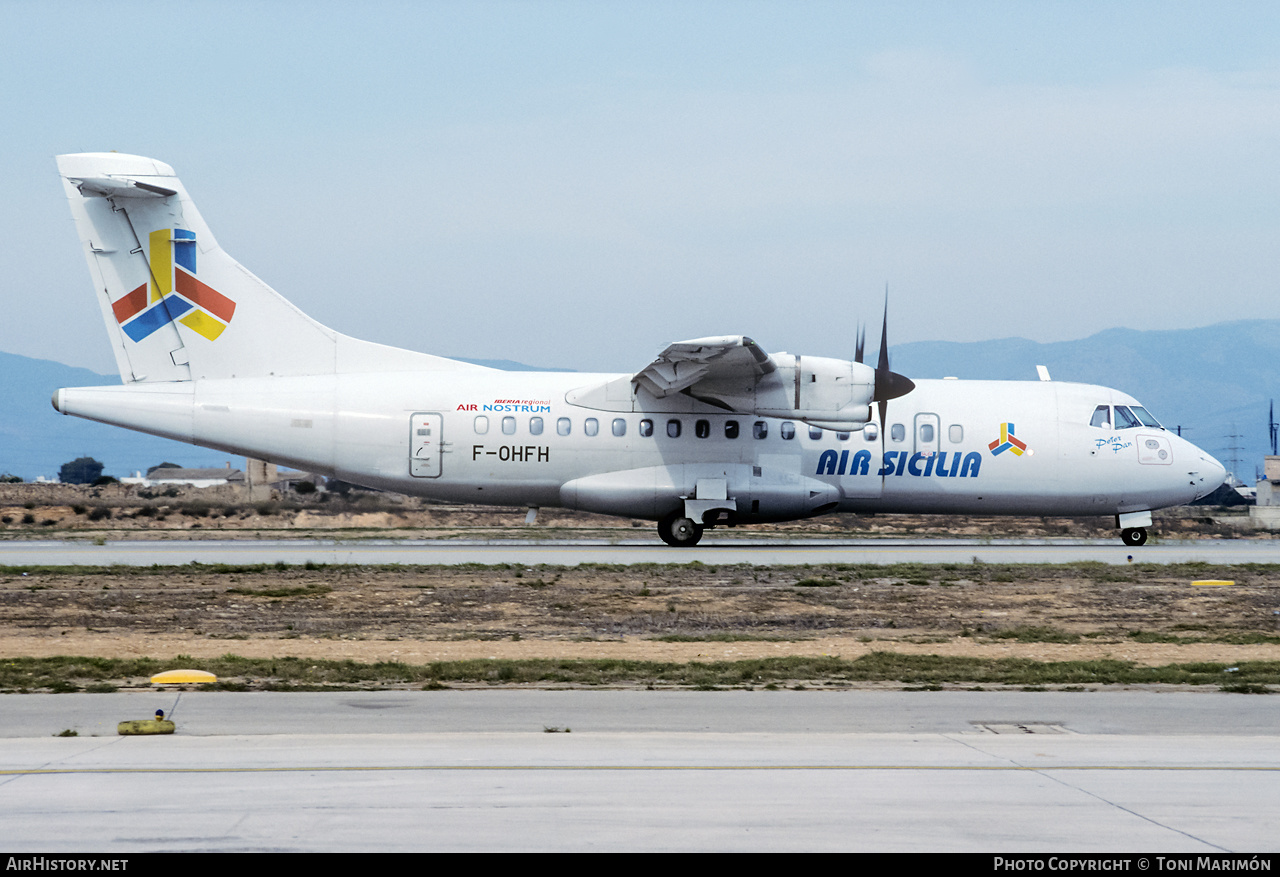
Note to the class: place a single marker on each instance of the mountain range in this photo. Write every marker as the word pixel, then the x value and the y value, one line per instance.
pixel 1215 383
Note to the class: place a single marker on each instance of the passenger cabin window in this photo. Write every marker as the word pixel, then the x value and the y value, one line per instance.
pixel 535 426
pixel 871 432
pixel 508 426
pixel 1101 417
pixel 842 436
pixel 815 432
pixel 760 429
pixel 563 426
pixel 788 430
pixel 898 432
pixel 955 432
pixel 482 424
pixel 646 428
pixel 619 426
pixel 702 428
pixel 731 429
pixel 591 426
pixel 673 428
pixel 926 433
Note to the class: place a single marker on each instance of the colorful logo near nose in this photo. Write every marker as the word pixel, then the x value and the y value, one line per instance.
pixel 1007 442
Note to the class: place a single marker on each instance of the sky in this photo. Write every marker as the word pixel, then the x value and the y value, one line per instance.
pixel 578 184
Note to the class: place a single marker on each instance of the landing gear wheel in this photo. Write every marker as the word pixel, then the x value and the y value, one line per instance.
pixel 1134 536
pixel 679 531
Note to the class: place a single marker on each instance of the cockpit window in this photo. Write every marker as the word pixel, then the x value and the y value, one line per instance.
pixel 1125 418
pixel 1142 414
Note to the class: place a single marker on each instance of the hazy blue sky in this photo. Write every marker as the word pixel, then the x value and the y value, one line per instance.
pixel 578 184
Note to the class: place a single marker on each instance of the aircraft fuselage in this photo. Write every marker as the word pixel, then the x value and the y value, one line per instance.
pixel 513 438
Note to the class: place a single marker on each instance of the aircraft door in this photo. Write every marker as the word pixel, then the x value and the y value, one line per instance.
pixel 426 445
pixel 928 441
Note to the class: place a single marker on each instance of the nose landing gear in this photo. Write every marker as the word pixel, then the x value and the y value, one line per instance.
pixel 1133 527
pixel 1134 536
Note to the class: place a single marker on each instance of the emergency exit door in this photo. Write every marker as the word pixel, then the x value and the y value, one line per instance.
pixel 426 445
pixel 928 438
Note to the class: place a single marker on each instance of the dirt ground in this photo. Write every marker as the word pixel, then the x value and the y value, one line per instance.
pixel 662 613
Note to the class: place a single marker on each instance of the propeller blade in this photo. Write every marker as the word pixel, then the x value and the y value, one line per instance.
pixel 883 364
pixel 888 384
pixel 883 405
pixel 882 370
pixel 861 345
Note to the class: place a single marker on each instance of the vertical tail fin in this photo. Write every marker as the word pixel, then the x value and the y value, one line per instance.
pixel 176 306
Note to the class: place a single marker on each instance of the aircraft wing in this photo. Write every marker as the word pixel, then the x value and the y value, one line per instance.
pixel 711 360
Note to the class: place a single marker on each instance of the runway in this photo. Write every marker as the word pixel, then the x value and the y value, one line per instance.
pixel 994 772
pixel 531 552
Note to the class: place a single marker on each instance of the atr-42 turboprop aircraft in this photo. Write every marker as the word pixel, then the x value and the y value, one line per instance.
pixel 714 432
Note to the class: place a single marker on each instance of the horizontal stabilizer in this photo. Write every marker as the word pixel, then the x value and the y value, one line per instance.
pixel 109 187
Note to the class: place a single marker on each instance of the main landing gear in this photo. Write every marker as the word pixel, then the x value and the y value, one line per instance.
pixel 1134 536
pixel 678 531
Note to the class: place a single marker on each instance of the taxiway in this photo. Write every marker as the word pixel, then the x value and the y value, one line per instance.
pixel 585 770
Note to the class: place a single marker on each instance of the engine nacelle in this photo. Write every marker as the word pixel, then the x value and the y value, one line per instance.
pixel 732 374
pixel 826 392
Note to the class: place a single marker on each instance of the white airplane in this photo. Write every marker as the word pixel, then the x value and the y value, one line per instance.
pixel 714 432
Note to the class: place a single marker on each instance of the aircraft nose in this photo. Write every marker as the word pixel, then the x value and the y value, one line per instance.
pixel 1208 475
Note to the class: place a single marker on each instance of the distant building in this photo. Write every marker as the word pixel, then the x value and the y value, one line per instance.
pixel 1266 512
pixel 260 479
pixel 187 477
pixel 1268 489
pixel 263 476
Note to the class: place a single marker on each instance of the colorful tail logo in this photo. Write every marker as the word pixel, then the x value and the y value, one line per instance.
pixel 173 293
pixel 1007 442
